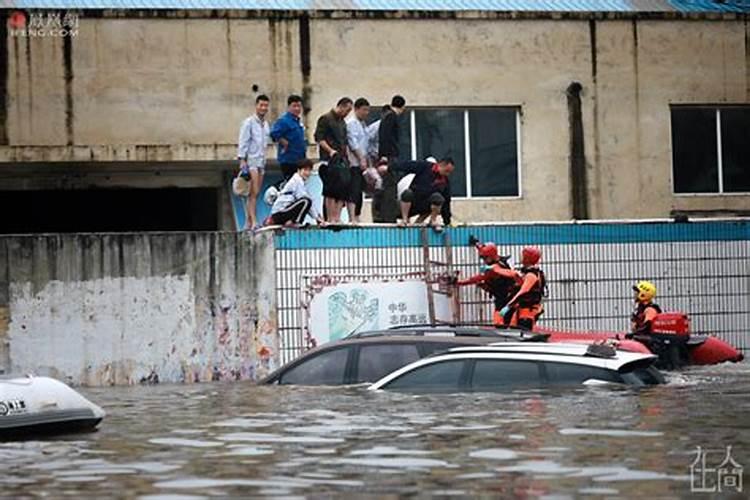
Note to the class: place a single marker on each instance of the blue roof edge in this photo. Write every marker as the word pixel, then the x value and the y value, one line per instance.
pixel 556 6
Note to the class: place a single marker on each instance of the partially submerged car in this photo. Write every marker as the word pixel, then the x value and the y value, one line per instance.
pixel 460 329
pixel 368 356
pixel 506 366
pixel 550 335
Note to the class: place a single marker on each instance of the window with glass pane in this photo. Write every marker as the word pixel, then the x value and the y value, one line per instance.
pixel 494 152
pixel 429 348
pixel 572 374
pixel 443 375
pixel 735 149
pixel 377 361
pixel 404 138
pixel 695 159
pixel 440 133
pixel 499 373
pixel 326 368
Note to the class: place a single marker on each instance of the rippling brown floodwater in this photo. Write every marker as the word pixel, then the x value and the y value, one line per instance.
pixel 236 439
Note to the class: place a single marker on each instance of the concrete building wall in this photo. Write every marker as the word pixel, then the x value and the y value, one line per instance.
pixel 472 63
pixel 642 68
pixel 115 309
pixel 175 89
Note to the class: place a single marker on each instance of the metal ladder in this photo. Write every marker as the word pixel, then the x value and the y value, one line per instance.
pixel 441 280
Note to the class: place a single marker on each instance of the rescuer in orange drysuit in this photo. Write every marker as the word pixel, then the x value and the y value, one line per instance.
pixel 526 304
pixel 497 278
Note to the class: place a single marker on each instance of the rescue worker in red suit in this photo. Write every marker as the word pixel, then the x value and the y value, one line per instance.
pixel 497 278
pixel 645 309
pixel 526 304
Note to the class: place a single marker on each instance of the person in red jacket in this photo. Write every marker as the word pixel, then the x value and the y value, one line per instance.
pixel 526 304
pixel 495 277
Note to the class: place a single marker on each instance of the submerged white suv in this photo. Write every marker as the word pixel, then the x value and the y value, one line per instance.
pixel 499 367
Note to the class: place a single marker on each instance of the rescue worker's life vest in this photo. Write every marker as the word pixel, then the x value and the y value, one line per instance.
pixel 534 296
pixel 640 325
pixel 502 289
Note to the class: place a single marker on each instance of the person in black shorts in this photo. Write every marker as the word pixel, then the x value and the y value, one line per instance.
pixel 359 140
pixel 331 136
pixel 384 202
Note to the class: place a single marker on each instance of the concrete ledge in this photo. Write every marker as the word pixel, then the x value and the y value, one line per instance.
pixel 118 152
pixel 93 153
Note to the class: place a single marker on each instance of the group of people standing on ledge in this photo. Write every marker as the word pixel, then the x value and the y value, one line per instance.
pixel 356 157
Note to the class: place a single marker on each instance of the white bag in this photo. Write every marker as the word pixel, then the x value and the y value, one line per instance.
pixel 240 186
pixel 404 184
pixel 270 195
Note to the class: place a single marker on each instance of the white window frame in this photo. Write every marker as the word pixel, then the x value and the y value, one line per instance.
pixel 719 158
pixel 467 147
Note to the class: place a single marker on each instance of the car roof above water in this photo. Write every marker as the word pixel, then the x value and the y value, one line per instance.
pixel 448 331
pixel 597 356
pixel 400 337
pixel 590 354
pixel 391 338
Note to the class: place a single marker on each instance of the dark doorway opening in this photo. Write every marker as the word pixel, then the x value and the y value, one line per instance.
pixel 109 210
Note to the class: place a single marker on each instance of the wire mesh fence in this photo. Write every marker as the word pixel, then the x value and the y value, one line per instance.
pixel 700 268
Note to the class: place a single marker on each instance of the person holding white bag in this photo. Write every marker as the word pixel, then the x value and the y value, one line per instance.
pixel 251 152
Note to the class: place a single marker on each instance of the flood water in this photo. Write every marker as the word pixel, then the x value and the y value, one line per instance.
pixel 236 439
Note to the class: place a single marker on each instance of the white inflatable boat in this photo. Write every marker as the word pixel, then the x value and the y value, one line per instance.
pixel 41 405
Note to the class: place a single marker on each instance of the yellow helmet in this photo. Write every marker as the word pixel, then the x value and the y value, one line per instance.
pixel 645 291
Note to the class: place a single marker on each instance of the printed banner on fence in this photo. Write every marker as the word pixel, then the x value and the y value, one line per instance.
pixel 340 310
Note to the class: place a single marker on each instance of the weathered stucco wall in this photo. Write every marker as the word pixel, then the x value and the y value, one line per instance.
pixel 118 309
pixel 642 68
pixel 150 82
pixel 175 89
pixel 472 63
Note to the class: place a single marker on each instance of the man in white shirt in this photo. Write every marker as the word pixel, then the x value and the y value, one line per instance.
pixel 358 138
pixel 294 202
pixel 251 152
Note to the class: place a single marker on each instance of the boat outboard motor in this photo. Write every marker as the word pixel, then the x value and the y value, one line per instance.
pixel 669 338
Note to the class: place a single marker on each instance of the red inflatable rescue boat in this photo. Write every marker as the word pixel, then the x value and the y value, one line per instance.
pixel 670 339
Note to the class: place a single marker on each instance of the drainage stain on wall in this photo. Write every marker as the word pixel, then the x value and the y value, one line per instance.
pixel 130 308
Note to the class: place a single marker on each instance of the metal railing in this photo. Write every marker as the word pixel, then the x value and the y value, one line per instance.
pixel 700 267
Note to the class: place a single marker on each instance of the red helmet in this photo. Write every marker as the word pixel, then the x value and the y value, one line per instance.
pixel 489 249
pixel 530 256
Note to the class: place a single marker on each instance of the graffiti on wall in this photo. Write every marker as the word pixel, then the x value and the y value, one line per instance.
pixel 338 310
pixel 354 311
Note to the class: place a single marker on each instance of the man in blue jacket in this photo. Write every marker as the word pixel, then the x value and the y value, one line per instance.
pixel 289 133
pixel 429 192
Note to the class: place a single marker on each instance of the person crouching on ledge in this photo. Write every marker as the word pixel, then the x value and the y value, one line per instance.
pixel 294 202
pixel 429 193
